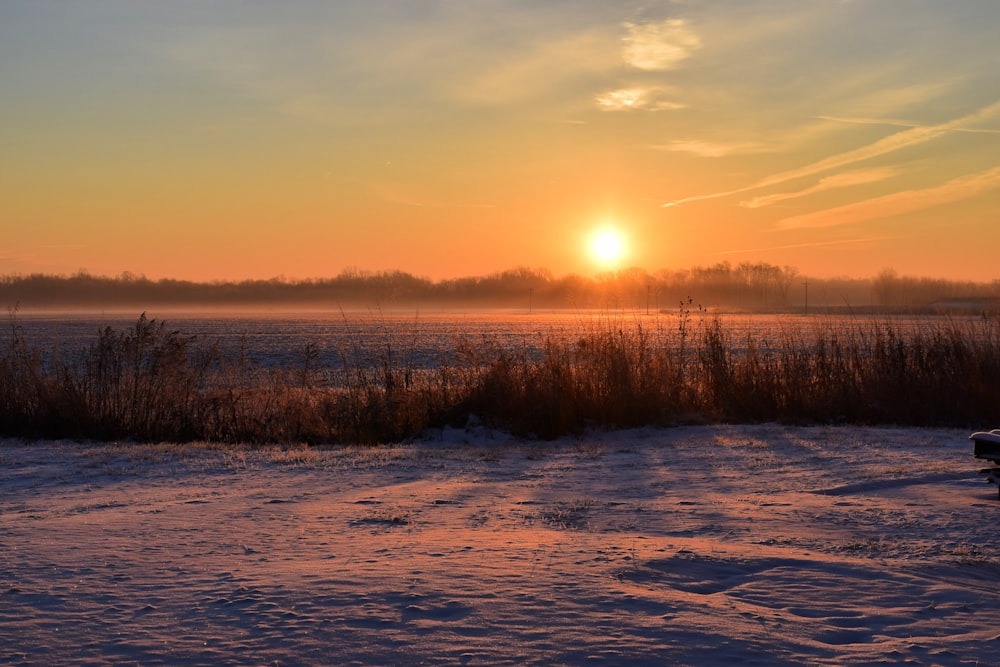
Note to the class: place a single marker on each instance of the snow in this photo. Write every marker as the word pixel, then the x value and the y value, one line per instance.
pixel 698 545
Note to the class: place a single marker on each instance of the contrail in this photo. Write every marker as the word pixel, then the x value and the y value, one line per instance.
pixel 901 123
pixel 897 203
pixel 894 142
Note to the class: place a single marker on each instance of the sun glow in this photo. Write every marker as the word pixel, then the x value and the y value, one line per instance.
pixel 607 246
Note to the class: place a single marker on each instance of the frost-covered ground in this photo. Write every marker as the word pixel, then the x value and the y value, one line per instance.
pixel 705 545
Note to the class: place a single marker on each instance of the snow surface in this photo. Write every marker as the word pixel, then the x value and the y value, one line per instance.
pixel 699 545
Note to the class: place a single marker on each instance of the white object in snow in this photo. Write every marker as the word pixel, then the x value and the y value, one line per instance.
pixel 987 446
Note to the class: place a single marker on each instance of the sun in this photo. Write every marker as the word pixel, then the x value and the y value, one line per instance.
pixel 607 246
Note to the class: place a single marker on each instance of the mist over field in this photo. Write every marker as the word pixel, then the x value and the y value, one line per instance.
pixel 751 286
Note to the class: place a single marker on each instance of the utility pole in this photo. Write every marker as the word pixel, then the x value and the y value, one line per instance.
pixel 530 290
pixel 806 310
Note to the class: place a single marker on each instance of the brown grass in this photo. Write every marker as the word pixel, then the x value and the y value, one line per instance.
pixel 148 383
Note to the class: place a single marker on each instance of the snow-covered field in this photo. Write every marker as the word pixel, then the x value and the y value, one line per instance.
pixel 703 545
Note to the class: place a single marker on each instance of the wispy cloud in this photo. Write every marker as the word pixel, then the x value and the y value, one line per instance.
pixel 631 99
pixel 896 122
pixel 358 61
pixel 659 46
pixel 531 72
pixel 844 180
pixel 910 137
pixel 705 148
pixel 898 202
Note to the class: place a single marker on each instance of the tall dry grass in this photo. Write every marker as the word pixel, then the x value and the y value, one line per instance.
pixel 150 383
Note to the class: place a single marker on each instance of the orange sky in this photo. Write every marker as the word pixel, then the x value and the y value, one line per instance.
pixel 233 140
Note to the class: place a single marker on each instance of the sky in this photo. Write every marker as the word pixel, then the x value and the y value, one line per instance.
pixel 232 140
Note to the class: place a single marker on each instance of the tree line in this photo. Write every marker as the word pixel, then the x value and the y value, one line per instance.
pixel 747 285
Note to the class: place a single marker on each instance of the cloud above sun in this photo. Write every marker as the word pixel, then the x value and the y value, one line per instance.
pixel 706 148
pixel 659 46
pixel 631 99
pixel 651 47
